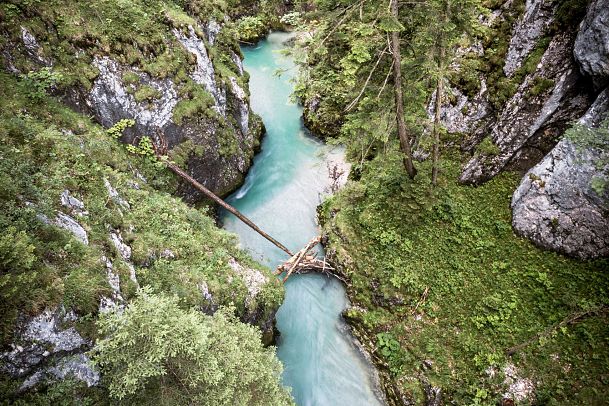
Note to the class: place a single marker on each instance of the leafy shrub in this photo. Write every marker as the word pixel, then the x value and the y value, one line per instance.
pixel 116 131
pixel 37 83
pixel 146 93
pixel 488 147
pixel 154 351
pixel 250 28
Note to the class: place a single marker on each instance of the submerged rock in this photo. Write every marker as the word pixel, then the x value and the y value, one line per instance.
pixel 556 205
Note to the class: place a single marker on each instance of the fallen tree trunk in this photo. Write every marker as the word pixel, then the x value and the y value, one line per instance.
pixel 175 169
pixel 302 262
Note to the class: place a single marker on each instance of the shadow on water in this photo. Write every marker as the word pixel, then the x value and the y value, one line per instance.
pixel 280 194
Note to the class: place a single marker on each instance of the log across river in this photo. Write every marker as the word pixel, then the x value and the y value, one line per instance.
pixel 280 194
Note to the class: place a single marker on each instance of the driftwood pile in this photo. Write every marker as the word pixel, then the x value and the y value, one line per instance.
pixel 305 261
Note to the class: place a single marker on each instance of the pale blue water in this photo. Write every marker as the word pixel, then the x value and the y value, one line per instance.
pixel 280 194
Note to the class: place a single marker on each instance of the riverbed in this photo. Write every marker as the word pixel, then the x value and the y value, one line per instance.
pixel 289 178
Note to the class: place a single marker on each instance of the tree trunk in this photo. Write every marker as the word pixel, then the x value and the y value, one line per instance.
pixel 175 169
pixel 399 107
pixel 436 124
pixel 439 93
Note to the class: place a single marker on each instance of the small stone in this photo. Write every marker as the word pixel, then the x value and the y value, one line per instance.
pixel 68 223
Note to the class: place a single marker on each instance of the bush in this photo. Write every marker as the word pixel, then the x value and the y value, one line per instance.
pixel 249 29
pixel 154 351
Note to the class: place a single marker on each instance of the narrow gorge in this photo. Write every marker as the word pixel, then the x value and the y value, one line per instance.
pixel 452 156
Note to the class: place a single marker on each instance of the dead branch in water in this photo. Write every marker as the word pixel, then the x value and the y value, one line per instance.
pixel 304 262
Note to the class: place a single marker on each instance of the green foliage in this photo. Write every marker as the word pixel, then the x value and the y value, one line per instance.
pixel 47 149
pixel 595 138
pixel 250 28
pixel 541 85
pixel 144 148
pixel 116 131
pixel 440 272
pixel 16 250
pixel 487 147
pixel 38 83
pixel 130 78
pixel 390 349
pixel 569 13
pixel 195 101
pixel 294 19
pixel 154 351
pixel 146 93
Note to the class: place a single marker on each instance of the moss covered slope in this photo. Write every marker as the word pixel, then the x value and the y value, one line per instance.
pixel 444 292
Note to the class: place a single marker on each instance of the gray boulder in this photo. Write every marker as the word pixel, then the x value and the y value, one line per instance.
pixel 556 206
pixel 592 44
pixel 48 346
pixel 68 223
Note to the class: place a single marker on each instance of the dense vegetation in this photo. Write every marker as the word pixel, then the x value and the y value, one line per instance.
pixel 446 295
pixel 176 250
pixel 156 353
pixel 445 291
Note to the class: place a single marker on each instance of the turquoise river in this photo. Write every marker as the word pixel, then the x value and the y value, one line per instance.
pixel 288 180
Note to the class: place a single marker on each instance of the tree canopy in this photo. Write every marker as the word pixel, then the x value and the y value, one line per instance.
pixel 155 351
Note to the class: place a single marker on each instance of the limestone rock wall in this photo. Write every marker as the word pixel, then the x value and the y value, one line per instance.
pixel 555 205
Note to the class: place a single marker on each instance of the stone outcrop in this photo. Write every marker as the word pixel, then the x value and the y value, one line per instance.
pixel 529 28
pixel 223 140
pixel 592 44
pixel 556 205
pixel 48 346
pixel 531 122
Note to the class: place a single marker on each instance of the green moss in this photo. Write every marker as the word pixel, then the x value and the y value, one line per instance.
pixel 487 147
pixel 131 78
pixel 441 272
pixel 569 13
pixel 540 85
pixel 146 93
pixel 195 100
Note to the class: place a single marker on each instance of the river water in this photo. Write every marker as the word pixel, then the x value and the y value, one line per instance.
pixel 286 183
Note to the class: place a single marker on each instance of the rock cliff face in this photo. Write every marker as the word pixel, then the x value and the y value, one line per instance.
pixel 222 131
pixel 592 44
pixel 554 205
